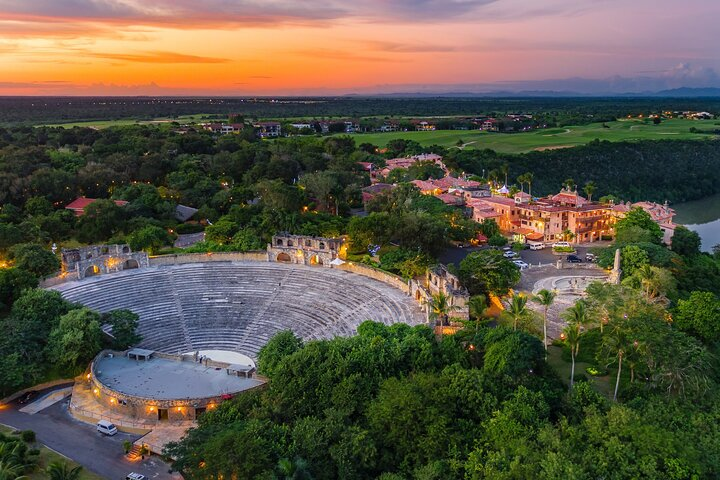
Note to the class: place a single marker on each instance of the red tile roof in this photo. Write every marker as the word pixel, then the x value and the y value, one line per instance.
pixel 80 204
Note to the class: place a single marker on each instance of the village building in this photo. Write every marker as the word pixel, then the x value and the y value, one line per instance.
pixel 79 205
pixel 268 129
pixel 547 219
pixel 663 215
pixel 369 193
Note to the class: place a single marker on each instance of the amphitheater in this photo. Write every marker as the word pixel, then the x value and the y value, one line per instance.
pixel 239 306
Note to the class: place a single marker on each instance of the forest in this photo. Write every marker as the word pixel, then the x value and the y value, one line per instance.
pixel 554 110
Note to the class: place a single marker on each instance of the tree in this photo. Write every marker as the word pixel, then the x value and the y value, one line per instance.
pixel 572 339
pixel 545 298
pixel 616 342
pixel 476 308
pixel 488 272
pixel 569 183
pixel 517 312
pixel 577 318
pixel 35 259
pixel 102 219
pixel 124 325
pixel 590 188
pixel 529 177
pixel 439 308
pixel 60 470
pixel 685 242
pixel 633 258
pixel 640 218
pixel 150 239
pixel 699 315
pixel 76 339
pixel 296 469
pixel 13 282
pixel 280 346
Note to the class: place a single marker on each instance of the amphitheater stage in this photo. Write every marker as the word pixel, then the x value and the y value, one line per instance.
pixel 239 306
pixel 161 379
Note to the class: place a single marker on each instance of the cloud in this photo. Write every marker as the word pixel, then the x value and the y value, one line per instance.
pixel 156 57
pixel 396 47
pixel 343 55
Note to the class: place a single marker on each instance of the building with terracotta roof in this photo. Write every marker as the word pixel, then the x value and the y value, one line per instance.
pixel 79 205
pixel 547 219
pixel 662 214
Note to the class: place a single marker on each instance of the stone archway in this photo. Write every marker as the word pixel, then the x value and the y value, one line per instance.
pixel 316 260
pixel 283 257
pixel 92 270
pixel 130 264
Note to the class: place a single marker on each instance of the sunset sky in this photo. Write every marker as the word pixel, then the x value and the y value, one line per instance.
pixel 241 47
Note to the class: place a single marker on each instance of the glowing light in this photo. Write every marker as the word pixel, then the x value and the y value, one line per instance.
pixel 96 391
pixel 88 376
pixel 152 409
pixel 179 409
pixel 112 400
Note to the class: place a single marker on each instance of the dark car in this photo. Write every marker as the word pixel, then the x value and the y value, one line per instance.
pixel 26 397
pixel 574 259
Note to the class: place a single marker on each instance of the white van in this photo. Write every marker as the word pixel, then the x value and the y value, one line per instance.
pixel 536 245
pixel 107 428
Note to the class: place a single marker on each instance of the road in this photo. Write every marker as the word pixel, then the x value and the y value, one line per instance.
pixel 55 428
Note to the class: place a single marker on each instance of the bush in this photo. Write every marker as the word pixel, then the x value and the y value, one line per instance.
pixel 185 228
pixel 563 249
pixel 596 371
pixel 28 436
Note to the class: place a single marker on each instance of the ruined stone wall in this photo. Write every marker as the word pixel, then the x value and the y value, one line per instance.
pixel 183 258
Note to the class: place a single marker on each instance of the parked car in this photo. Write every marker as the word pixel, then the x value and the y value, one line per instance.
pixel 521 264
pixel 509 254
pixel 574 259
pixel 561 245
pixel 135 476
pixel 589 257
pixel 27 397
pixel 536 245
pixel 507 248
pixel 106 428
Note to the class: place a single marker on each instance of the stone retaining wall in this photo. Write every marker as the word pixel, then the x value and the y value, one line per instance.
pixel 380 275
pixel 182 258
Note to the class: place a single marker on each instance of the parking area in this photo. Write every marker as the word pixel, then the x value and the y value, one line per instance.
pixel 55 428
pixel 455 255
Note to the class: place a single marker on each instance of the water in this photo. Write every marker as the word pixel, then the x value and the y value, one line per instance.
pixel 703 217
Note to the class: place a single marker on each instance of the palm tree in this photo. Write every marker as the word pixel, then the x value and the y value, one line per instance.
pixel 572 338
pixel 439 307
pixel 62 471
pixel 647 276
pixel 521 180
pixel 529 177
pixel 476 307
pixel 545 298
pixel 292 469
pixel 616 343
pixel 505 169
pixel 10 471
pixel 517 310
pixel 589 190
pixel 569 183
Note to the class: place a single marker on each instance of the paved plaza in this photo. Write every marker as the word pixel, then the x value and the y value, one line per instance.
pixel 162 379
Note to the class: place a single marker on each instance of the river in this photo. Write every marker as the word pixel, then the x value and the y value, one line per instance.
pixel 703 217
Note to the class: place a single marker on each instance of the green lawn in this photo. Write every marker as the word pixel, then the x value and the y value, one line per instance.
pixel 603 385
pixel 46 457
pixel 570 136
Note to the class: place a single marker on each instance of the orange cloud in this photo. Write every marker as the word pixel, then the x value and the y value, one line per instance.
pixel 157 57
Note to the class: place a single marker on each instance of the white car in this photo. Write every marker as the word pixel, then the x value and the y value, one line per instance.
pixel 135 476
pixel 561 245
pixel 521 264
pixel 507 248
pixel 106 428
pixel 509 254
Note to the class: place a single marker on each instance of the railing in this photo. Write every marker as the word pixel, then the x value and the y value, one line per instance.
pixel 117 421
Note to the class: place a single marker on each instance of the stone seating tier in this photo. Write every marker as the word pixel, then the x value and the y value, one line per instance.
pixel 240 306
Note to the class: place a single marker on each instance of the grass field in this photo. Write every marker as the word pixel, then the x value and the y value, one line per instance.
pixel 48 456
pixel 571 136
pixel 200 117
